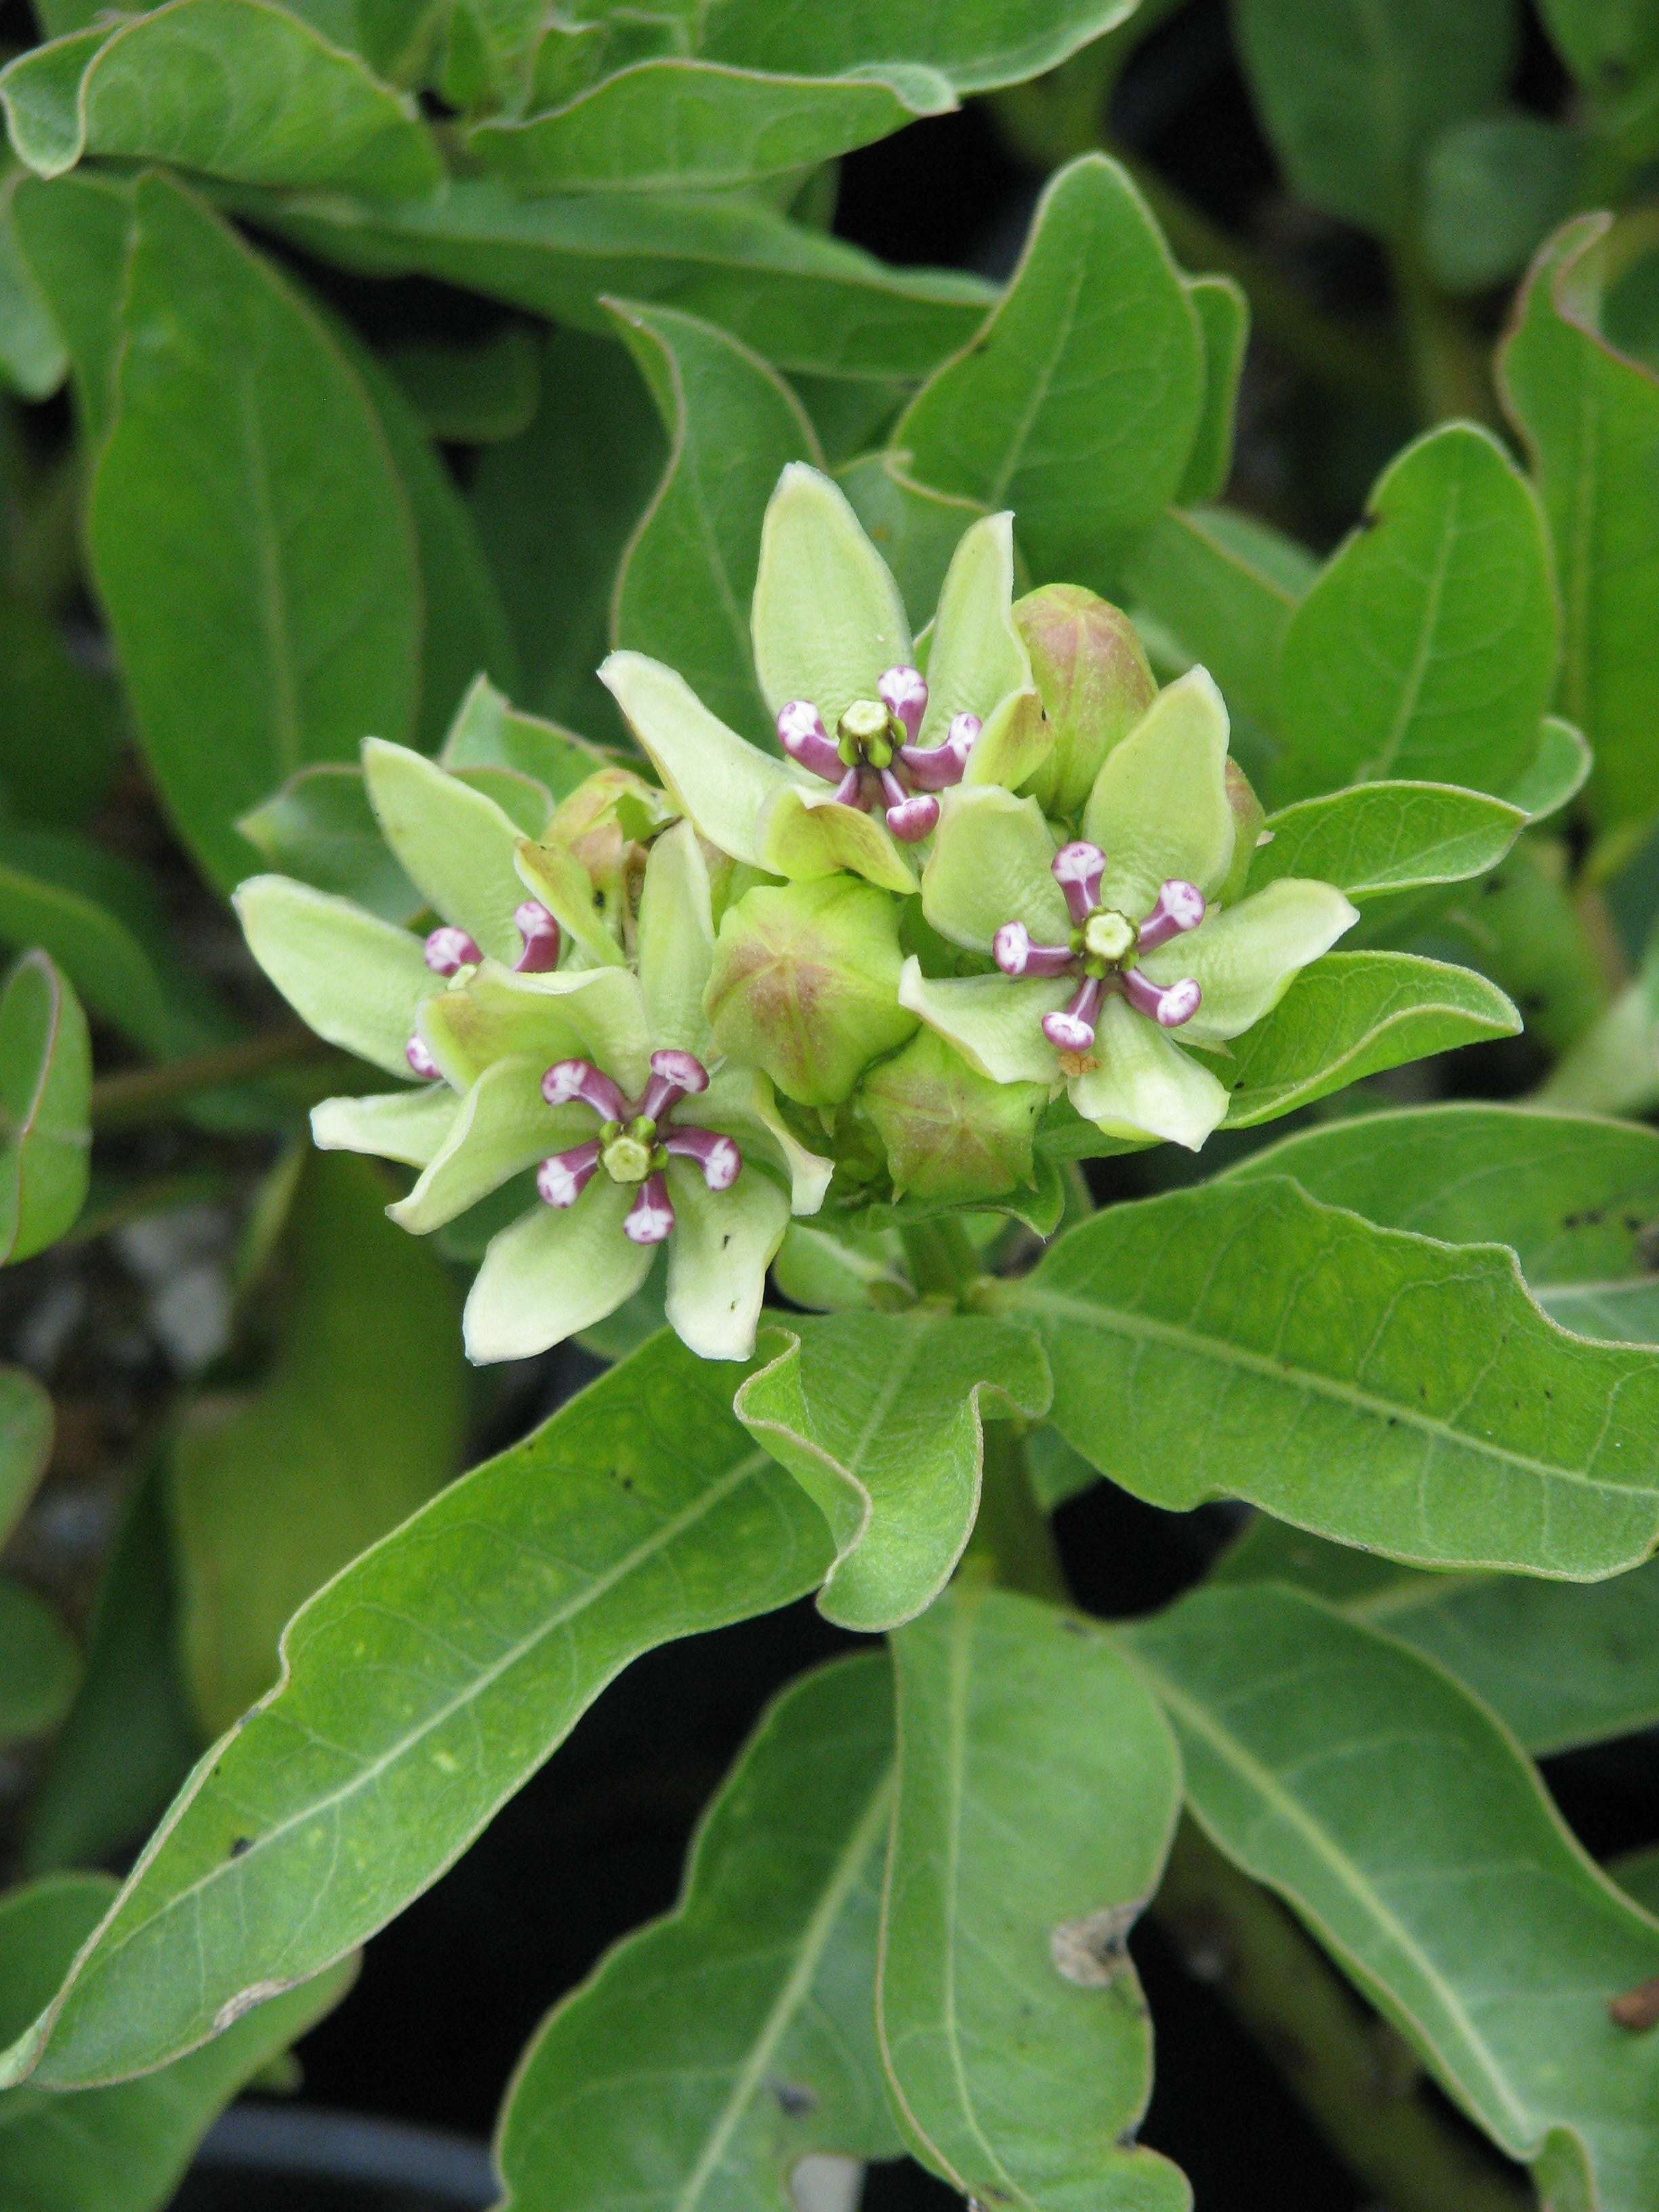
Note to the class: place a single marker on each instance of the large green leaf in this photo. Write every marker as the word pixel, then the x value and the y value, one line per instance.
pixel 420 1688
pixel 251 543
pixel 1353 1014
pixel 123 2148
pixel 1037 1790
pixel 45 1087
pixel 554 508
pixel 1352 91
pixel 1078 402
pixel 1377 839
pixel 676 124
pixel 880 1418
pixel 1590 417
pixel 39 1664
pixel 1196 580
pixel 320 829
pixel 683 589
pixel 354 1423
pixel 238 88
pixel 711 2051
pixel 1426 646
pixel 978 47
pixel 803 299
pixel 1405 1827
pixel 60 729
pixel 75 235
pixel 914 528
pixel 1372 1385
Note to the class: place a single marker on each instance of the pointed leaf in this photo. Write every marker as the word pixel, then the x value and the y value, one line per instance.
pixel 1374 1386
pixel 996 42
pixel 720 2044
pixel 45 1087
pixel 421 1688
pixel 1037 1790
pixel 880 1418
pixel 1377 838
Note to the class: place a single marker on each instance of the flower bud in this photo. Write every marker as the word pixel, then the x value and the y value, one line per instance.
pixel 950 1133
pixel 1094 683
pixel 805 984
pixel 1249 815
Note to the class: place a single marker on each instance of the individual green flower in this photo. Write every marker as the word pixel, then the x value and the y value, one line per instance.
pixel 607 1081
pixel 869 740
pixel 1115 943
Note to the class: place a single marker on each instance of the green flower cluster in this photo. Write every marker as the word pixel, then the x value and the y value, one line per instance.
pixel 991 870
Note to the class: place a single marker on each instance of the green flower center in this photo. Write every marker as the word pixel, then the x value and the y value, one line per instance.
pixel 631 1154
pixel 1109 935
pixel 865 733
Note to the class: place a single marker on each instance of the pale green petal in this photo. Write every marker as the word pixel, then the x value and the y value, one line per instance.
pixel 1159 805
pixel 355 980
pixel 676 942
pixel 809 834
pixel 724 784
pixel 992 863
pixel 552 874
pixel 827 618
pixel 1143 1085
pixel 976 657
pixel 722 1245
pixel 409 1126
pixel 556 1270
pixel 455 843
pixel 585 1013
pixel 1014 744
pixel 1243 958
pixel 993 1021
pixel 740 1103
pixel 504 1124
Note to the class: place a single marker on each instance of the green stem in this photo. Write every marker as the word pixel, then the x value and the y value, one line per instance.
pixel 942 1258
pixel 1012 1544
pixel 144 1094
pixel 1332 352
pixel 1342 2066
pixel 1448 366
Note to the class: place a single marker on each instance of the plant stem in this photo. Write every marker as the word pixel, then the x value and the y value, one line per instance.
pixel 1335 2060
pixel 1012 1544
pixel 1333 352
pixel 1450 368
pixel 144 1094
pixel 941 1256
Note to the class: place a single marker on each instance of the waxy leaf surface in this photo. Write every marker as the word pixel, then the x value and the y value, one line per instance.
pixel 45 1085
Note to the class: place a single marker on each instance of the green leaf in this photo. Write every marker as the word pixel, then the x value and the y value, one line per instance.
pixel 914 528
pixel 1224 322
pixel 1223 607
pixel 1375 1386
pixel 711 2051
pixel 39 1665
pixel 1079 401
pixel 684 588
pixel 1491 187
pixel 421 1688
pixel 320 829
pixel 1037 1790
pixel 472 394
pixel 123 2148
pixel 487 734
pixel 26 1427
pixel 881 1418
pixel 1351 92
pixel 75 236
pixel 554 509
pixel 1375 839
pixel 1384 1804
pixel 1525 929
pixel 45 1086
pixel 802 300
pixel 235 88
pixel 678 125
pixel 252 545
pixel 1589 415
pixel 1426 646
pixel 1556 773
pixel 992 43
pixel 354 1423
pixel 1353 1014
pixel 32 360
pixel 129 1739
pixel 60 723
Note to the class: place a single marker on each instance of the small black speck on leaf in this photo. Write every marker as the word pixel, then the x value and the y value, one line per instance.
pixel 241 1844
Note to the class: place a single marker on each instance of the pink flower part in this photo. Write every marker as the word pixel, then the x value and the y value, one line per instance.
pixel 1168 1008
pixel 903 692
pixel 804 737
pixel 540 933
pixel 1015 954
pixel 562 1180
pixel 650 1219
pixel 717 1156
pixel 1077 868
pixel 1072 1029
pixel 936 767
pixel 912 819
pixel 673 1074
pixel 447 950
pixel 1180 907
pixel 567 1080
pixel 421 1060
